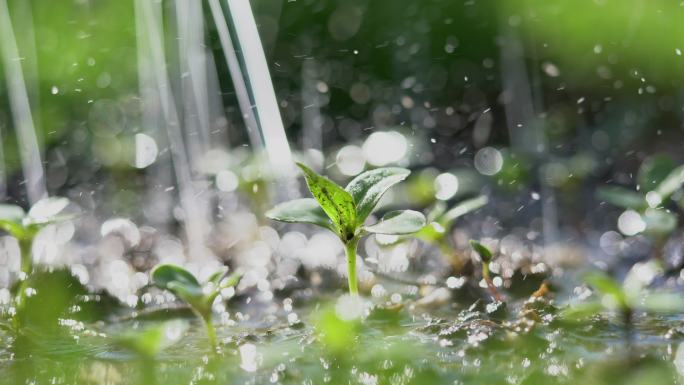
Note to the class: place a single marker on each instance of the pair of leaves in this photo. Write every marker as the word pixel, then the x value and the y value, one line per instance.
pixel 344 211
pixel 22 225
pixel 185 286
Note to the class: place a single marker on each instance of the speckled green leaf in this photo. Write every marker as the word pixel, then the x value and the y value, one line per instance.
pixel 368 187
pixel 334 200
pixel 398 222
pixel 305 210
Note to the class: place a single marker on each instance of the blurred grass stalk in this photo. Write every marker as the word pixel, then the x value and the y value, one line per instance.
pixel 21 110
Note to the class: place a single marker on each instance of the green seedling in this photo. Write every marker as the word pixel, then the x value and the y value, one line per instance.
pixel 344 211
pixel 658 180
pixel 627 298
pixel 486 258
pixel 24 227
pixel 440 220
pixel 199 297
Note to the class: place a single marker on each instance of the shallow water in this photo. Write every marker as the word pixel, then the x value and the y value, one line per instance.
pixel 391 346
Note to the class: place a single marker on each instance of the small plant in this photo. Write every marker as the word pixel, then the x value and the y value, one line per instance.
pixel 344 211
pixel 658 180
pixel 199 297
pixel 486 258
pixel 440 220
pixel 627 298
pixel 24 227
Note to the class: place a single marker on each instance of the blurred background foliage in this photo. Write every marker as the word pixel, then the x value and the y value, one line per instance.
pixel 602 75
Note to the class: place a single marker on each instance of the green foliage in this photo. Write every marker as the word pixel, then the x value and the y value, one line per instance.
pixel 367 188
pixel 398 222
pixel 622 197
pixel 25 226
pixel 626 297
pixel 187 288
pixel 337 203
pixel 654 170
pixel 440 219
pixel 51 296
pixel 306 210
pixel 347 209
pixel 659 179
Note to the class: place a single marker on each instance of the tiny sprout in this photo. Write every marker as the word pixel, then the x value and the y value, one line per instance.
pixel 486 257
pixel 344 211
pixel 440 221
pixel 199 297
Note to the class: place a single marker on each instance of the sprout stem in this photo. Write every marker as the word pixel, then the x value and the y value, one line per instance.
pixel 26 256
pixel 211 332
pixel 485 275
pixel 350 248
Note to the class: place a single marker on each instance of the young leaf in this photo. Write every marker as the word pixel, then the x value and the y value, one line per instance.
pixel 305 210
pixel 13 228
pixel 193 295
pixel 622 197
pixel 607 286
pixel 482 250
pixel 221 282
pixel 659 222
pixel 672 183
pixel 654 170
pixel 11 213
pixel 367 188
pixel 11 217
pixel 48 210
pixel 462 208
pixel 334 200
pixel 398 222
pixel 178 281
pixel 218 276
